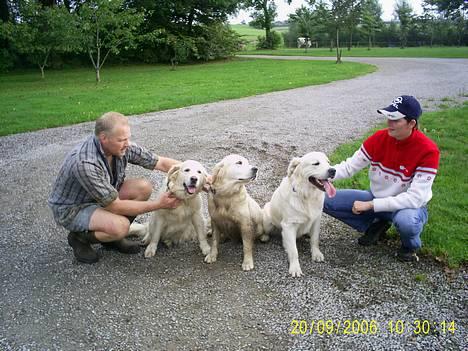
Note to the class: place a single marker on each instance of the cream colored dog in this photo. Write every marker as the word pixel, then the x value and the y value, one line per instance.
pixel 185 181
pixel 233 212
pixel 296 206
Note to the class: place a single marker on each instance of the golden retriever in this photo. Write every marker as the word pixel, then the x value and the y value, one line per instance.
pixel 185 181
pixel 233 212
pixel 296 206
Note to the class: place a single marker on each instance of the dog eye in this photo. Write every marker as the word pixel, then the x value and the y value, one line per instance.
pixel 238 162
pixel 187 170
pixel 316 163
pixel 199 172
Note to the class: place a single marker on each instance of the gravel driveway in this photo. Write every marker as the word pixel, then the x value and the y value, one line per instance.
pixel 175 301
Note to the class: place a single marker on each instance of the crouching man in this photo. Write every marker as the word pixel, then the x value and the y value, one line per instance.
pixel 403 164
pixel 91 197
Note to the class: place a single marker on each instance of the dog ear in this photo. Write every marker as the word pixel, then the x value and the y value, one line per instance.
pixel 217 172
pixel 172 174
pixel 292 165
pixel 205 175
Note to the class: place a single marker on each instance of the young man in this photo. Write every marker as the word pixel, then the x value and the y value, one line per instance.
pixel 403 164
pixel 91 197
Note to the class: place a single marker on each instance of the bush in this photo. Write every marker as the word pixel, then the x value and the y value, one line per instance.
pixel 273 41
pixel 208 42
pixel 217 41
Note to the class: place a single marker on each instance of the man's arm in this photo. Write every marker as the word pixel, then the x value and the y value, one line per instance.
pixel 134 207
pixel 352 165
pixel 164 164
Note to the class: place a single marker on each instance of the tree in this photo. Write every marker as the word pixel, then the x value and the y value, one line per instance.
pixel 106 27
pixel 428 21
pixel 305 22
pixel 457 11
pixel 264 13
pixel 340 13
pixel 41 30
pixel 404 12
pixel 371 20
pixel 352 19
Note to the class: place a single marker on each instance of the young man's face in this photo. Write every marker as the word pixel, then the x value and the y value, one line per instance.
pixel 401 128
pixel 116 142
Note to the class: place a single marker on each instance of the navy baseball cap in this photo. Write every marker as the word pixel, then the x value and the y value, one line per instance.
pixel 401 107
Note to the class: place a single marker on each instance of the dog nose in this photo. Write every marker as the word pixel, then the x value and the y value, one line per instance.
pixel 193 180
pixel 255 170
pixel 332 172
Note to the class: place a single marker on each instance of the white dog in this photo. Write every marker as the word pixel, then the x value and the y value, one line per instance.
pixel 233 212
pixel 185 181
pixel 296 206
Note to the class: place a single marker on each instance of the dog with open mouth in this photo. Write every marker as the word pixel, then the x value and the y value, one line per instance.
pixel 296 205
pixel 233 212
pixel 184 223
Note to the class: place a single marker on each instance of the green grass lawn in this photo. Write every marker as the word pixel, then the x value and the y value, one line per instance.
pixel 446 234
pixel 71 96
pixel 435 52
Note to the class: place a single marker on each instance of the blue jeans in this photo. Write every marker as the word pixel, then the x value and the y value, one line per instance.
pixel 409 222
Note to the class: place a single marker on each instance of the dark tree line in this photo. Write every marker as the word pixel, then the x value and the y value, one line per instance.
pixel 359 22
pixel 48 32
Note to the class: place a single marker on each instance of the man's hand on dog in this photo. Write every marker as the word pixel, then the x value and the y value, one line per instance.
pixel 167 200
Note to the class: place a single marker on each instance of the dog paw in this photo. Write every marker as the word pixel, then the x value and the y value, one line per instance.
pixel 264 238
pixel 150 250
pixel 295 270
pixel 247 266
pixel 317 256
pixel 205 247
pixel 210 258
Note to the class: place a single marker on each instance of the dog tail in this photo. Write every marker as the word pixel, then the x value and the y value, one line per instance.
pixel 140 230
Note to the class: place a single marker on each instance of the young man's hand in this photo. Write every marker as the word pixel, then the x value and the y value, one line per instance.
pixel 362 206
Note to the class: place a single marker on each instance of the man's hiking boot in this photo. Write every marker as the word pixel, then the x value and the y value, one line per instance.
pixel 376 231
pixel 81 245
pixel 123 245
pixel 407 255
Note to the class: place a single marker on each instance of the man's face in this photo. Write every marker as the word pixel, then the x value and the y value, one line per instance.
pixel 401 128
pixel 116 142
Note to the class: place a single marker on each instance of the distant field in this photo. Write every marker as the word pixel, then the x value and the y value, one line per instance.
pixel 434 52
pixel 72 96
pixel 246 32
pixel 251 34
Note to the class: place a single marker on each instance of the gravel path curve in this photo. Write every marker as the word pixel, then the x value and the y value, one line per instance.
pixel 175 301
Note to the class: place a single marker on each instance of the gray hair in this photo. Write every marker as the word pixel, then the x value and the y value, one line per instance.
pixel 107 122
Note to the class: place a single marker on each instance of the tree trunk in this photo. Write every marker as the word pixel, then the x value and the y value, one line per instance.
pixel 338 51
pixel 369 43
pixel 4 11
pixel 98 75
pixel 350 43
pixel 42 71
pixel 267 24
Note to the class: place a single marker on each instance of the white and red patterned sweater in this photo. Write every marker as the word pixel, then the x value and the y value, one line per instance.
pixel 401 173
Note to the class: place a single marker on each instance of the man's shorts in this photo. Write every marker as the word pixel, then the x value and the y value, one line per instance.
pixel 81 221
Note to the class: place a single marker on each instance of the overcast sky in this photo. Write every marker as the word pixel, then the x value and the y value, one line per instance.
pixel 283 10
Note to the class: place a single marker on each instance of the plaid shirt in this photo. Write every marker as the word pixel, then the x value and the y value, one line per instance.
pixel 86 178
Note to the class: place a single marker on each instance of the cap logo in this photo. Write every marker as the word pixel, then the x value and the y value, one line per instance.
pixel 397 101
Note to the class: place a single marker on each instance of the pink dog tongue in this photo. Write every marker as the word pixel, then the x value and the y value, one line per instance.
pixel 329 188
pixel 191 189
